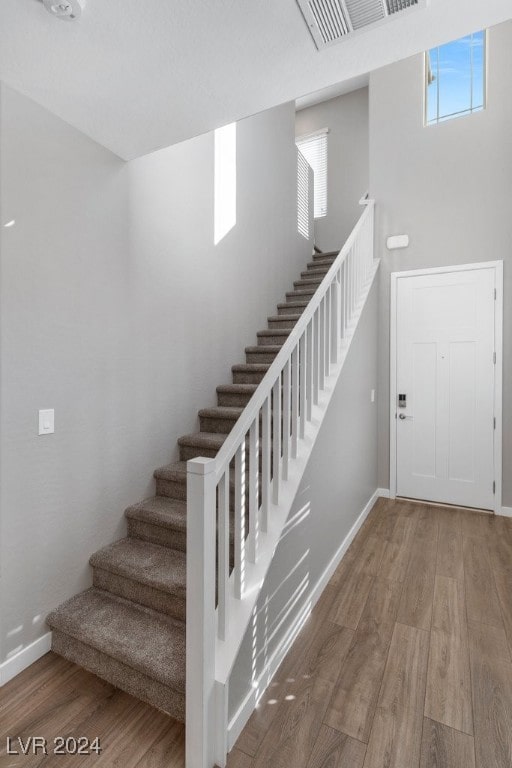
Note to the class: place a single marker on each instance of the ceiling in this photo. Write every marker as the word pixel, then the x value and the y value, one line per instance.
pixel 138 75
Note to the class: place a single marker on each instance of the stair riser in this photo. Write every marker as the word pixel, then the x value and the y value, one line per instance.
pixel 139 593
pixel 267 341
pixel 188 452
pixel 311 283
pixel 210 424
pixel 162 487
pixel 121 675
pixel 283 324
pixel 233 399
pixel 172 489
pixel 323 257
pixel 155 534
pixel 321 264
pixel 247 377
pixel 262 356
pixel 311 272
pixel 290 309
pixel 302 294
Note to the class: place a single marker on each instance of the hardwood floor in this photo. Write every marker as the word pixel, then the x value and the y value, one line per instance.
pixel 426 682
pixel 405 662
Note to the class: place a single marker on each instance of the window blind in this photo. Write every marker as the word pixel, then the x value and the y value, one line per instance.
pixel 314 148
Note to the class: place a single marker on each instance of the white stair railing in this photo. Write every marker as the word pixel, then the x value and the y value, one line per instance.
pixel 247 484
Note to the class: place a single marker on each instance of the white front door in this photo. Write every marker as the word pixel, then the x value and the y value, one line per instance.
pixel 445 369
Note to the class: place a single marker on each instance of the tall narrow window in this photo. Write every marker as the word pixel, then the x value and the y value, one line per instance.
pixel 314 148
pixel 225 181
pixel 302 195
pixel 455 78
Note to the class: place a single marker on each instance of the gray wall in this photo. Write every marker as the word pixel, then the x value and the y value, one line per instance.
pixel 340 478
pixel 449 187
pixel 347 170
pixel 118 311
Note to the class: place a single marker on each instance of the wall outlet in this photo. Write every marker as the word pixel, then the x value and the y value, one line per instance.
pixel 47 421
pixel 372 396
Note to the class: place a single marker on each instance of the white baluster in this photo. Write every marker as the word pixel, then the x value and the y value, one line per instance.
pixel 321 362
pixel 286 419
pixel 316 356
pixel 295 401
pixel 223 553
pixel 302 384
pixel 276 439
pixel 309 369
pixel 254 459
pixel 265 463
pixel 240 520
pixel 327 353
pixel 335 319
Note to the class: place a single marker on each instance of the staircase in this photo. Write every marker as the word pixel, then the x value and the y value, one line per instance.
pixel 129 628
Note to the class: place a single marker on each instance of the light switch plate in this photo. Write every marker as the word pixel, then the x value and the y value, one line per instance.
pixel 372 396
pixel 47 421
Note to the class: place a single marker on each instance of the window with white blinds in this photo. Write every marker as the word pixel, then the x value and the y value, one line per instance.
pixel 314 148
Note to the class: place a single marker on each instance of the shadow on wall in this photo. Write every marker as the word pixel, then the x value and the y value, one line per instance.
pixel 279 615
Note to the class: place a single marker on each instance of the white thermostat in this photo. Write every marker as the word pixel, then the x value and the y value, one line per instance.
pixel 397 241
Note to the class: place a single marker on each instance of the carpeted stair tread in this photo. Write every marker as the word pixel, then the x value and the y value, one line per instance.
pixel 325 255
pixel 283 318
pixel 237 389
pixel 162 511
pixel 270 348
pixel 324 264
pixel 284 332
pixel 154 566
pixel 210 440
pixel 304 282
pixel 300 292
pixel 299 304
pixel 222 412
pixel 143 639
pixel 251 367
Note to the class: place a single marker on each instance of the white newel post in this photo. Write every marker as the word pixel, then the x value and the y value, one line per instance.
pixel 201 630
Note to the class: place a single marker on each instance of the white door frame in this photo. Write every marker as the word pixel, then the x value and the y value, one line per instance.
pixel 498 379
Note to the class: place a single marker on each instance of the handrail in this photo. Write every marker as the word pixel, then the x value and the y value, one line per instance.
pixel 246 418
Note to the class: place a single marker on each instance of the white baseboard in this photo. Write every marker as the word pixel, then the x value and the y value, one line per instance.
pixel 245 710
pixel 384 493
pixel 24 658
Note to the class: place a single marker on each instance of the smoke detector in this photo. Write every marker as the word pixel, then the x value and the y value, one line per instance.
pixel 67 10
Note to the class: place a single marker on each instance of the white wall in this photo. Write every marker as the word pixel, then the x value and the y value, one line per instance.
pixel 118 311
pixel 449 187
pixel 340 478
pixel 347 162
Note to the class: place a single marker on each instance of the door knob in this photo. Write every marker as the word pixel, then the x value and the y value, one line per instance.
pixel 403 416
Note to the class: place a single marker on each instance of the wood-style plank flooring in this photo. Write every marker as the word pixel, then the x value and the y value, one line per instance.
pixel 424 596
pixel 405 662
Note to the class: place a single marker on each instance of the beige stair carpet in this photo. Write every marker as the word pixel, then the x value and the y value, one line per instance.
pixel 129 628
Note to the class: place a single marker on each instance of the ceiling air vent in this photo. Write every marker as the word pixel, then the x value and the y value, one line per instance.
pixel 331 20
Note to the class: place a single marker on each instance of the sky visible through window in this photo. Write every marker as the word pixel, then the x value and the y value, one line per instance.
pixel 456 85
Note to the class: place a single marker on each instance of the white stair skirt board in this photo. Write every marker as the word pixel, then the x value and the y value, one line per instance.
pixel 24 658
pixel 246 709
